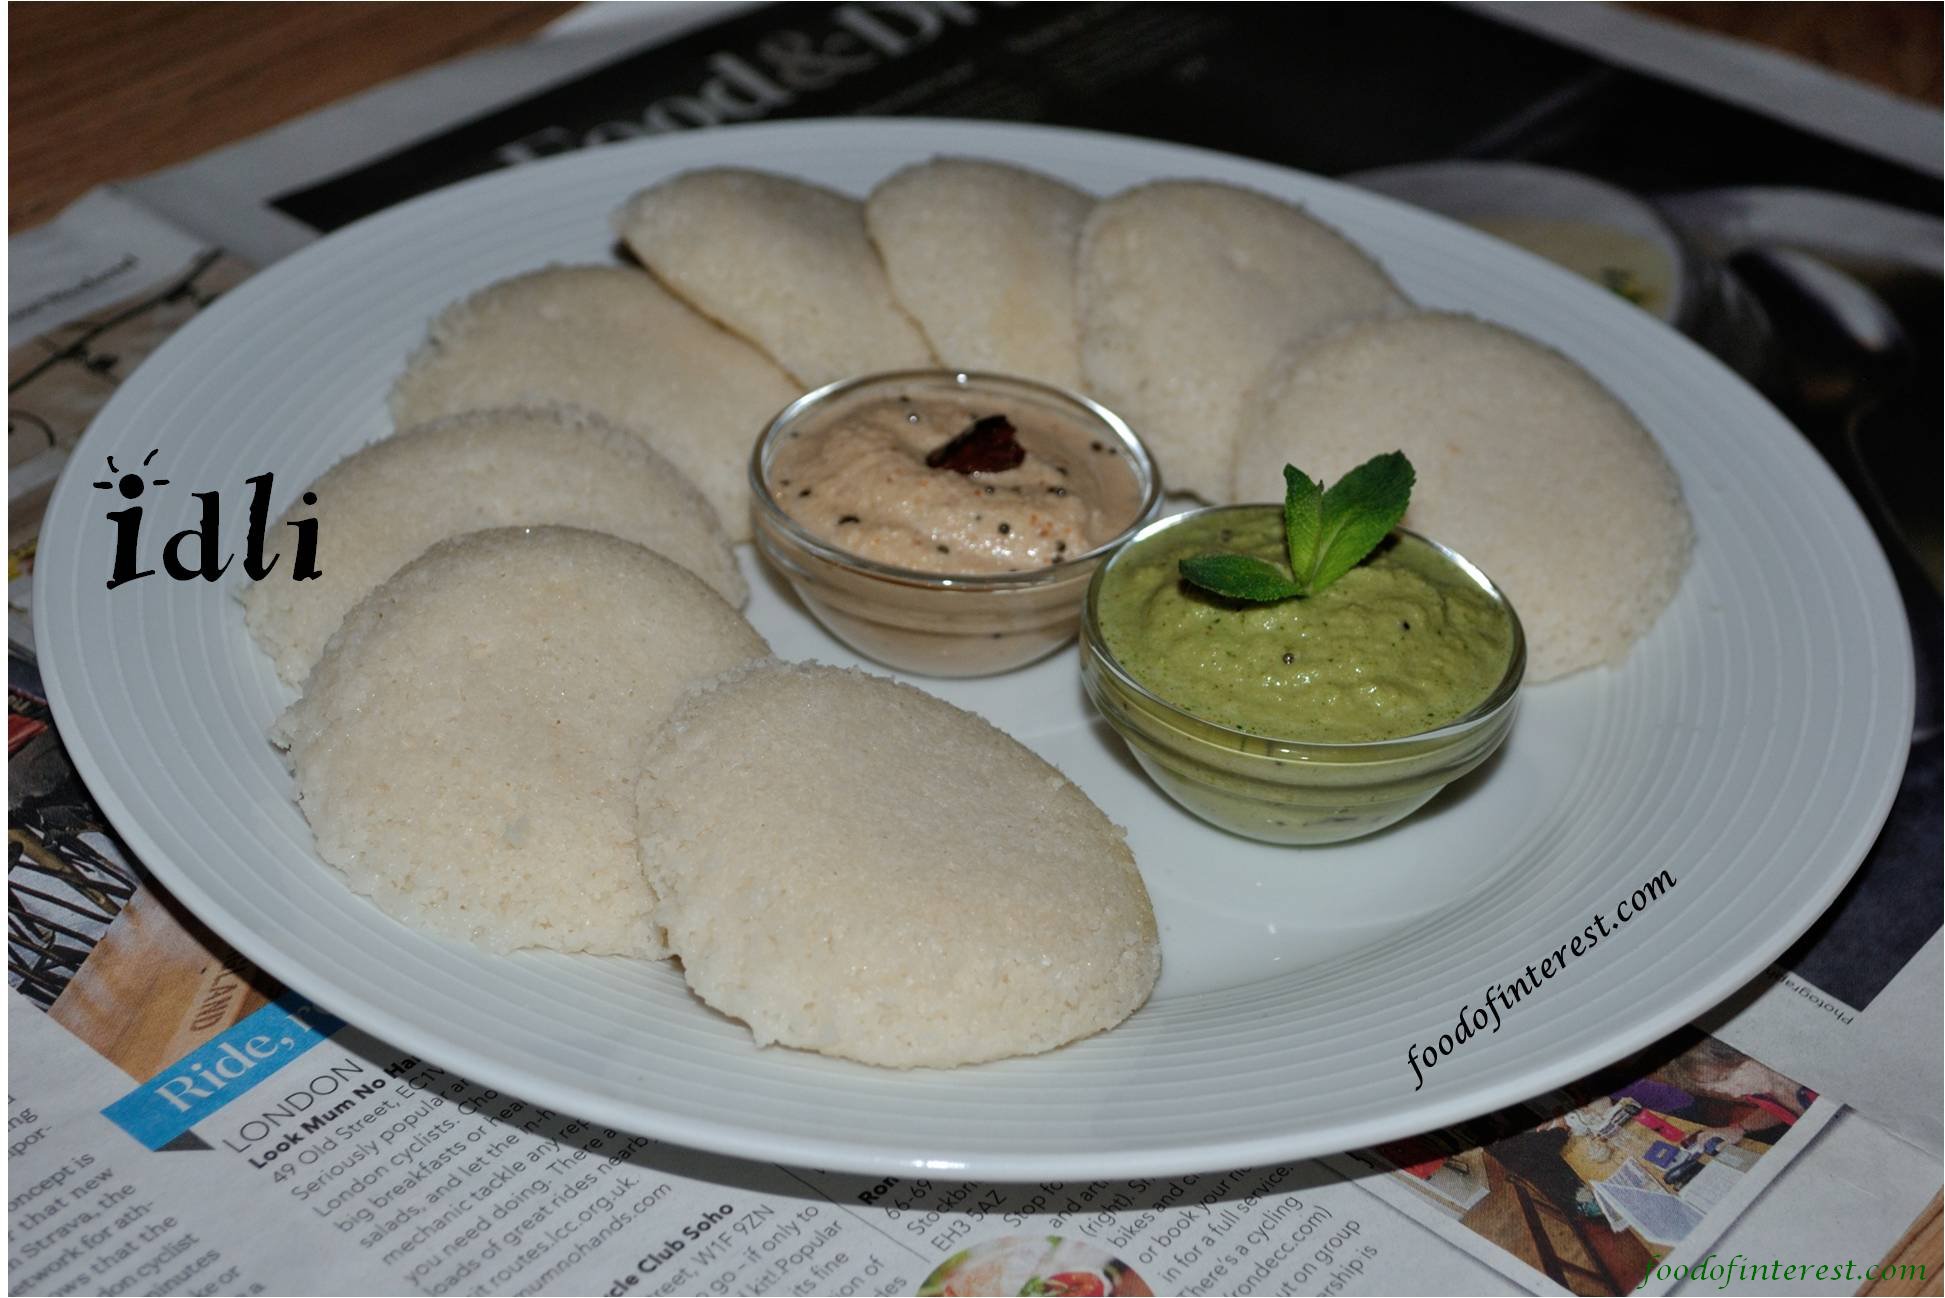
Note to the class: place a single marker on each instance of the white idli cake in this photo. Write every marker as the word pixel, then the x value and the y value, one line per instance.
pixel 611 340
pixel 786 264
pixel 467 748
pixel 827 878
pixel 384 505
pixel 1189 290
pixel 982 256
pixel 1526 465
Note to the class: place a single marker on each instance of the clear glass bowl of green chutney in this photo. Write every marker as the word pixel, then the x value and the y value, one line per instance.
pixel 1311 785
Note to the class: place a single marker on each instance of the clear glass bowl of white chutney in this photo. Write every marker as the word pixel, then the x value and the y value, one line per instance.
pixel 936 623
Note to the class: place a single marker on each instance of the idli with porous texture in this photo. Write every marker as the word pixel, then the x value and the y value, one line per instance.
pixel 851 866
pixel 468 747
pixel 384 505
pixel 1526 465
pixel 786 264
pixel 982 256
pixel 1189 290
pixel 611 340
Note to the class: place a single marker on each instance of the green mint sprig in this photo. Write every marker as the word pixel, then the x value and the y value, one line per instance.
pixel 1327 533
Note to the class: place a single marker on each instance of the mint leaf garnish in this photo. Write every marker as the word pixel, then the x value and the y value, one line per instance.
pixel 1240 576
pixel 1326 533
pixel 1359 510
pixel 1303 515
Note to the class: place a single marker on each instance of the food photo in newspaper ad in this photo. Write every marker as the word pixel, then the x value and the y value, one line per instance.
pixel 975 649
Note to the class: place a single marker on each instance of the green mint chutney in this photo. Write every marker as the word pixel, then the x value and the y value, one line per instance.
pixel 1403 643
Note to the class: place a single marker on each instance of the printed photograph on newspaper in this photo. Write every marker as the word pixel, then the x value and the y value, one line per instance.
pixel 1594 1186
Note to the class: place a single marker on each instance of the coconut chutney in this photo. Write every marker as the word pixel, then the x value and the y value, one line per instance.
pixel 960 484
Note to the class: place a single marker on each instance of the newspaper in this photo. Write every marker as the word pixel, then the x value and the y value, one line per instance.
pixel 1800 1121
pixel 355 1169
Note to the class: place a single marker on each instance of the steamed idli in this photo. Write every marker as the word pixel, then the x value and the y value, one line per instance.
pixel 1526 465
pixel 982 256
pixel 383 505
pixel 851 866
pixel 467 748
pixel 1188 291
pixel 786 264
pixel 610 340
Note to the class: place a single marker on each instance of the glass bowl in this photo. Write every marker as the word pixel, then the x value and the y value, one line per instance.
pixel 924 622
pixel 1291 790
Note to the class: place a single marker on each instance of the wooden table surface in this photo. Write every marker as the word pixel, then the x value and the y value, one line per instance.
pixel 99 92
pixel 104 91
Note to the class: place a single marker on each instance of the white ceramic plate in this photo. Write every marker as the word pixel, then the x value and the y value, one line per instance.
pixel 1750 745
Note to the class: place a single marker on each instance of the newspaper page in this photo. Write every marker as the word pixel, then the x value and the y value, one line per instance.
pixel 1865 1176
pixel 337 1165
pixel 333 1163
